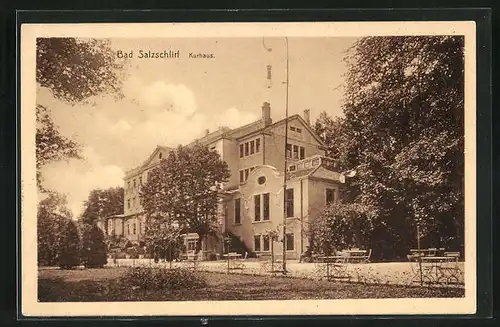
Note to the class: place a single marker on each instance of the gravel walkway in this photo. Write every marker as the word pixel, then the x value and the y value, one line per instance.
pixel 399 273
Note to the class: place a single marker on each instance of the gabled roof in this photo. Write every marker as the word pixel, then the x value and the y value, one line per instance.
pixel 155 152
pixel 303 122
pixel 139 169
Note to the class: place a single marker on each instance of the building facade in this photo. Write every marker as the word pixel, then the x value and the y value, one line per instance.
pixel 252 202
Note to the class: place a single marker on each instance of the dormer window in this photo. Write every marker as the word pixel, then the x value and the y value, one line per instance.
pixel 160 155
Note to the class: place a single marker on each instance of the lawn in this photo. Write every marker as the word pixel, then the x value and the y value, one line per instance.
pixel 90 285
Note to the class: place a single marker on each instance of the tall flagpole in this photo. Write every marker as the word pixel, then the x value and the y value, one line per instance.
pixel 286 163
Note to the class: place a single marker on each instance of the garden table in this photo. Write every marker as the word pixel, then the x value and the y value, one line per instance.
pixel 356 255
pixel 234 261
pixel 336 266
pixel 434 271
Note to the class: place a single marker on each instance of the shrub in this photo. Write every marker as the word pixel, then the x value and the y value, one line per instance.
pixel 68 245
pixel 340 226
pixel 48 227
pixel 164 278
pixel 93 247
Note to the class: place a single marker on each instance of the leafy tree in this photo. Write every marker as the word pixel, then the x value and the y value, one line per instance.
pixel 73 70
pixel 68 245
pixel 163 239
pixel 103 203
pixel 404 106
pixel 50 144
pixel 52 213
pixel 183 191
pixel 77 69
pixel 340 226
pixel 93 252
pixel 331 132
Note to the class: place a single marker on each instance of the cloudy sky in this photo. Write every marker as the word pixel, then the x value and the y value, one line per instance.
pixel 172 101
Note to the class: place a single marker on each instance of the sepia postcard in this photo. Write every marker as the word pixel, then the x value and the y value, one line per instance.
pixel 208 169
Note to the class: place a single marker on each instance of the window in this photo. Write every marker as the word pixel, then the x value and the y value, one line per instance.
pixel 246 148
pixel 292 168
pixel 257 145
pixel 212 148
pixel 237 211
pixel 266 206
pixel 242 177
pixel 128 228
pixel 330 195
pixel 140 180
pixel 289 202
pixel 133 202
pixel 247 171
pixel 241 150
pixel 289 150
pixel 265 241
pixel 252 147
pixel 289 242
pixel 256 243
pixel 302 152
pixel 261 180
pixel 139 228
pixel 298 130
pixel 135 184
pixel 133 228
pixel 128 203
pixel 160 155
pixel 295 152
pixel 256 199
pixel 292 128
pixel 191 245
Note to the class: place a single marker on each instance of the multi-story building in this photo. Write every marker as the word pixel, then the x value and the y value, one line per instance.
pixel 252 202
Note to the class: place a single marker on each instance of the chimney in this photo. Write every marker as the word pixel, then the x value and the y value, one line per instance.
pixel 266 114
pixel 307 116
pixel 207 131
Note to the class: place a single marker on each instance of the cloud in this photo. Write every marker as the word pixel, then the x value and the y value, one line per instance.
pixel 76 178
pixel 120 135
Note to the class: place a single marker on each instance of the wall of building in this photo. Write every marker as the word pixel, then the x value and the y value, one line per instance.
pixel 248 228
pixel 252 160
pixel 275 144
pixel 231 156
pixel 317 196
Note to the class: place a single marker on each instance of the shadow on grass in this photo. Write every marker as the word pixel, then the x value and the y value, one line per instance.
pixel 58 286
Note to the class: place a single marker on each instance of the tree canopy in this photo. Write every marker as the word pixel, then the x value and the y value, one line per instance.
pixel 77 69
pixel 403 133
pixel 103 203
pixel 74 70
pixel 51 214
pixel 183 191
pixel 93 250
